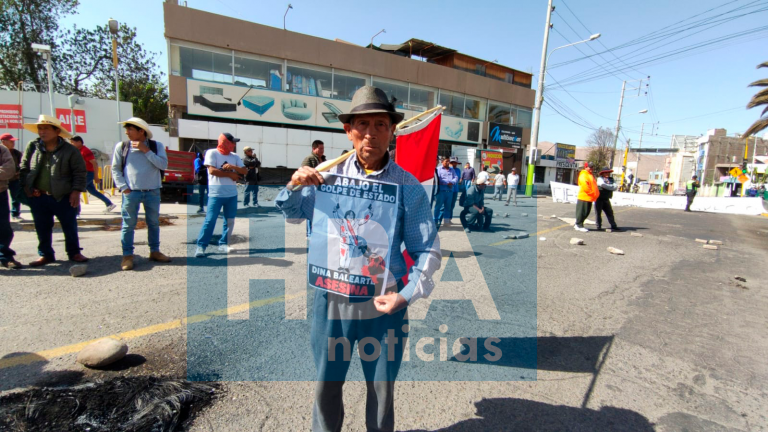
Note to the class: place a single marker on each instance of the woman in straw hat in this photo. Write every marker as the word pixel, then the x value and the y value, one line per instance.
pixel 53 177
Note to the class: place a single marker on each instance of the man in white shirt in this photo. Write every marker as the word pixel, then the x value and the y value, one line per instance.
pixel 512 181
pixel 224 168
pixel 483 175
pixel 499 183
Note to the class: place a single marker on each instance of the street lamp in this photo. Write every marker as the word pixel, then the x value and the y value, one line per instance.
pixel 540 98
pixel 45 51
pixel 382 31
pixel 286 14
pixel 113 29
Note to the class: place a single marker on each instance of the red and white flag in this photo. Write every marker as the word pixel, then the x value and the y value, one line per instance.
pixel 416 152
pixel 416 149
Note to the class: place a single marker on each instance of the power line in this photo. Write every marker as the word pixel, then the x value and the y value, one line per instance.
pixel 579 50
pixel 566 117
pixel 577 101
pixel 661 33
pixel 598 40
pixel 709 23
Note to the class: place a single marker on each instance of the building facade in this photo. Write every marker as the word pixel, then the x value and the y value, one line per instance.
pixel 718 153
pixel 279 90
pixel 95 119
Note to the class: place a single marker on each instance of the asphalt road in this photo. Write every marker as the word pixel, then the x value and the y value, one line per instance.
pixel 661 338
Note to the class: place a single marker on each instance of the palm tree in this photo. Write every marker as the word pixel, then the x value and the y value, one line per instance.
pixel 760 98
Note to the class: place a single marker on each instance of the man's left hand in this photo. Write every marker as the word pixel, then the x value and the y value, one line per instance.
pixel 389 303
pixel 74 198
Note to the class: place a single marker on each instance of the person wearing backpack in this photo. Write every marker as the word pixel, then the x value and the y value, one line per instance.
pixel 137 169
pixel 201 178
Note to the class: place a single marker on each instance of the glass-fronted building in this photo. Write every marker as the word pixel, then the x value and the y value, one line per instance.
pixel 279 90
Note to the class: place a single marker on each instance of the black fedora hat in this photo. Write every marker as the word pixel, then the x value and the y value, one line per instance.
pixel 371 100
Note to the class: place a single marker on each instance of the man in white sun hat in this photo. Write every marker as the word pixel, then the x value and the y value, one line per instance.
pixel 137 166
pixel 53 177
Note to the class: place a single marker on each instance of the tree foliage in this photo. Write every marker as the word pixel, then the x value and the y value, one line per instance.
pixel 600 145
pixel 759 99
pixel 22 23
pixel 82 58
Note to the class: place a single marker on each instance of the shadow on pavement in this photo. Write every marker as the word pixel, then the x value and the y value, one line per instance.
pixel 511 414
pixel 21 369
pixel 579 354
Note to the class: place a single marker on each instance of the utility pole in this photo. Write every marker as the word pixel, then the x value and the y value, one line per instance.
pixel 618 123
pixel 537 106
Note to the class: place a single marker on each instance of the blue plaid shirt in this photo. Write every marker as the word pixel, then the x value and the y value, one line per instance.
pixel 414 228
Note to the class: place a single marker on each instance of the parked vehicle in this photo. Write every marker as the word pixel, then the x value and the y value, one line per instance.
pixel 179 176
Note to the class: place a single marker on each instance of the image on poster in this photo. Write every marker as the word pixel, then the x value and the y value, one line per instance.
pixel 352 227
pixel 493 162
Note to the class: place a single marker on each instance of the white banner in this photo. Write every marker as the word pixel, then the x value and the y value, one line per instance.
pixel 562 192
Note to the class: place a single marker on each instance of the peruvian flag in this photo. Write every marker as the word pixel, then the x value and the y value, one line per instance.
pixel 416 152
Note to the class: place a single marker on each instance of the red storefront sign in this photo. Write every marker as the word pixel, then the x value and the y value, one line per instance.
pixel 10 117
pixel 63 114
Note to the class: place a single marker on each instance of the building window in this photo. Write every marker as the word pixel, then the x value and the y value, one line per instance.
pixel 524 118
pixel 393 88
pixel 499 113
pixel 258 73
pixel 421 98
pixel 310 82
pixel 205 65
pixel 474 108
pixel 345 84
pixel 539 173
pixel 453 103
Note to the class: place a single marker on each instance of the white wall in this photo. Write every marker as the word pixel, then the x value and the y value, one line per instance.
pixel 274 146
pixel 100 115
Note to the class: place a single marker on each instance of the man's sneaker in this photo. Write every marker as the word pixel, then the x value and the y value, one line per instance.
pixel 225 249
pixel 256 205
pixel 199 252
pixel 200 211
pixel 77 217
pixel 17 219
pixel 467 230
pixel 578 228
pixel 110 208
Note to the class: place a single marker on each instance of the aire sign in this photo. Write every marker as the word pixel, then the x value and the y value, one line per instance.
pixel 64 116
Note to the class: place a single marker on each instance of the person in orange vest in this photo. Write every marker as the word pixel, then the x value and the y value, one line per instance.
pixel 588 193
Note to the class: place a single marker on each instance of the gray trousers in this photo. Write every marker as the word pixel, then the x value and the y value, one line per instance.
pixel 512 192
pixel 337 318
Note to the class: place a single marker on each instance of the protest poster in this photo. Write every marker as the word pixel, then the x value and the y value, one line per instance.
pixel 493 162
pixel 352 227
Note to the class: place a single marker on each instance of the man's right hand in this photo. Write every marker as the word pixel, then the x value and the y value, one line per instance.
pixel 126 191
pixel 306 176
pixel 234 176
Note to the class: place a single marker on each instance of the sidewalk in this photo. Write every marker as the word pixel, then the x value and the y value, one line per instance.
pixel 93 213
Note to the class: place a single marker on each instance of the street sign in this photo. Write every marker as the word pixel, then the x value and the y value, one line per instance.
pixel 735 171
pixel 743 178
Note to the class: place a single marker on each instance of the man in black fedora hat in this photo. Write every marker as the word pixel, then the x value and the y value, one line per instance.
pixel 370 125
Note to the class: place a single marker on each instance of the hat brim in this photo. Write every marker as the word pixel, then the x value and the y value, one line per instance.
pixel 605 172
pixel 32 127
pixel 395 116
pixel 138 125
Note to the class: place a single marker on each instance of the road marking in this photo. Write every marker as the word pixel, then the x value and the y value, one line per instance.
pixel 132 334
pixel 548 230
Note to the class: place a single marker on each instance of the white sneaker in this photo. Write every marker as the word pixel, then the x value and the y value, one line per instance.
pixel 110 208
pixel 582 229
pixel 17 219
pixel 225 249
pixel 256 205
pixel 199 252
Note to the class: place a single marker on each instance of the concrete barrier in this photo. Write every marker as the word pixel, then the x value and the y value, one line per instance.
pixel 566 193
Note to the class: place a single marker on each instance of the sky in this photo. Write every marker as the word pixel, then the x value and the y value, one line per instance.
pixel 690 92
